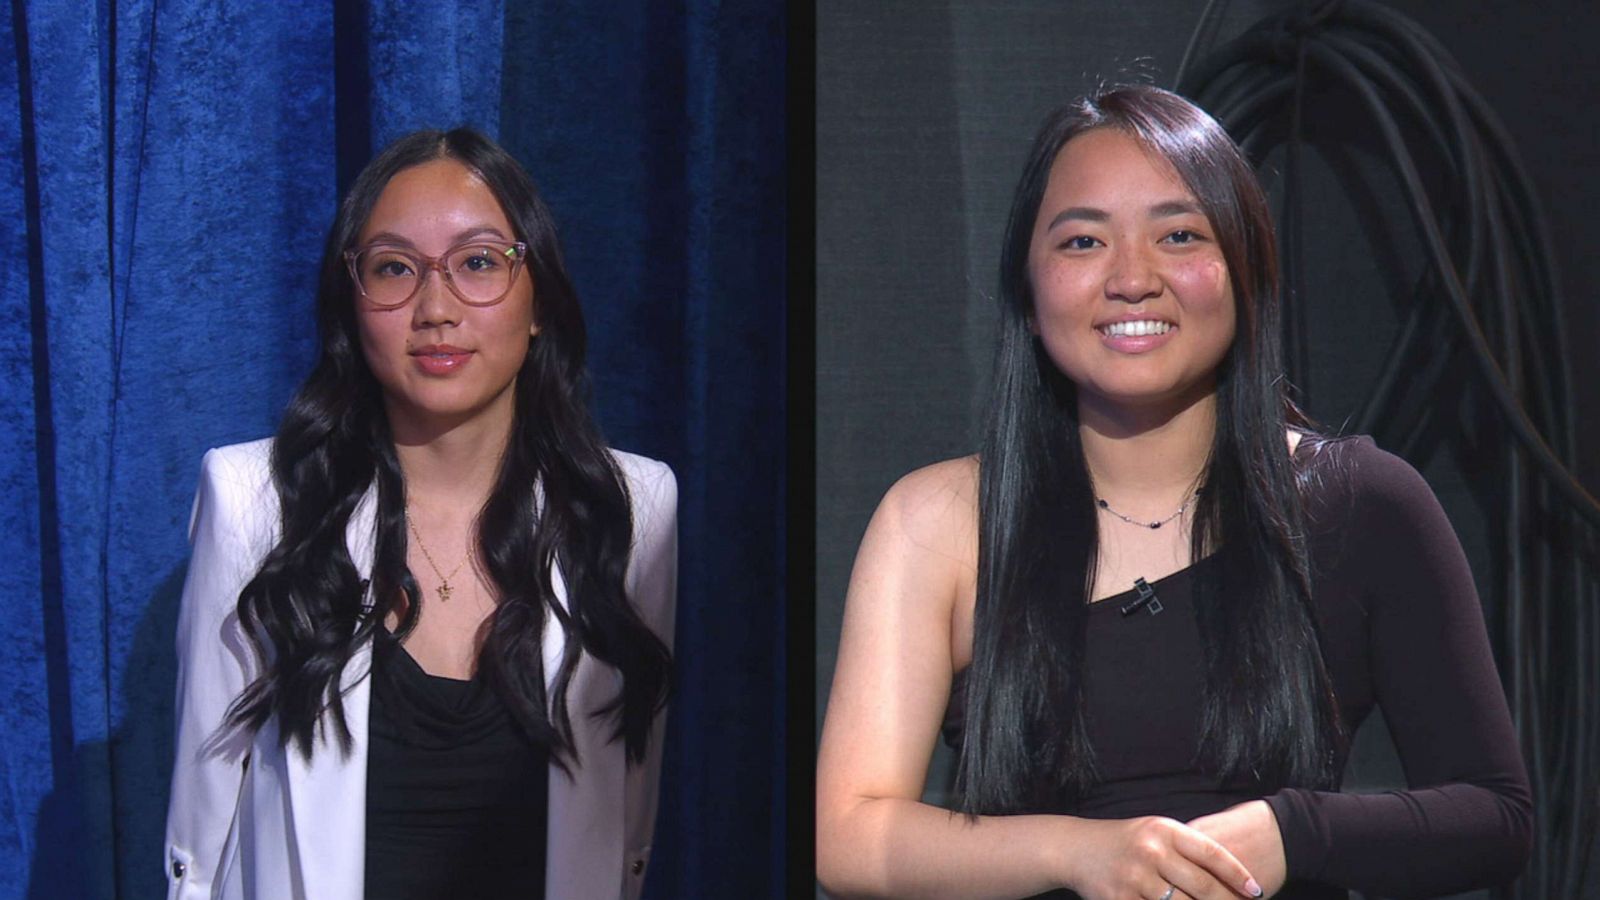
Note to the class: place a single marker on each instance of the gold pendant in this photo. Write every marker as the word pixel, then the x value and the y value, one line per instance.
pixel 444 591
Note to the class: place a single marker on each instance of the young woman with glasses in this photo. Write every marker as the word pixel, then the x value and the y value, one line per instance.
pixel 423 644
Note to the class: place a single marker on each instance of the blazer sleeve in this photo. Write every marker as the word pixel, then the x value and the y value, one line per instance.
pixel 215 662
pixel 652 583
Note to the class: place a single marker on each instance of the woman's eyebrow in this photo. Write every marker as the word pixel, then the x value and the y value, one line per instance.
pixel 1162 210
pixel 1079 214
pixel 1174 208
pixel 389 237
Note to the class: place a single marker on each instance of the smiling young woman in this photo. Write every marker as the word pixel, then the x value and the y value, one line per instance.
pixel 423 643
pixel 1150 612
pixel 1131 294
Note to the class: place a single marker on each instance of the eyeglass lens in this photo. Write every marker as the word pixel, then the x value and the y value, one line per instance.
pixel 481 273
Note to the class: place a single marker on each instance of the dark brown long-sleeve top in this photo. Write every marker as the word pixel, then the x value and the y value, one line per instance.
pixel 1401 628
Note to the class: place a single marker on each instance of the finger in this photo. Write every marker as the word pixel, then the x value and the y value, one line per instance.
pixel 1215 859
pixel 1193 881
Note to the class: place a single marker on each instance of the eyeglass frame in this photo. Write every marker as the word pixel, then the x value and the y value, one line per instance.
pixel 436 263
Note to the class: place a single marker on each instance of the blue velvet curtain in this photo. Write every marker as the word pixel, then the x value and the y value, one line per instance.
pixel 167 172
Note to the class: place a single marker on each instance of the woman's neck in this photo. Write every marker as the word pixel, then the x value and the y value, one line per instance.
pixel 1148 455
pixel 450 467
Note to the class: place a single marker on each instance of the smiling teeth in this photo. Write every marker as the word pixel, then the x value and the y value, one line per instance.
pixel 1136 329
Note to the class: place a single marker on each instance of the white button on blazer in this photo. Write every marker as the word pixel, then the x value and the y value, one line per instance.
pixel 249 820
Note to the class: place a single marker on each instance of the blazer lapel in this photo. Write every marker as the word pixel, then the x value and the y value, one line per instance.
pixel 328 794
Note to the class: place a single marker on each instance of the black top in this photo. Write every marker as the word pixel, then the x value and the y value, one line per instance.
pixel 1401 627
pixel 456 796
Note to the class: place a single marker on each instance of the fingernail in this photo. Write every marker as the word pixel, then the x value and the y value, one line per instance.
pixel 1253 888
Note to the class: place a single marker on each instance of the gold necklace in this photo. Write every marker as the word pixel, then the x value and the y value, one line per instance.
pixel 444 588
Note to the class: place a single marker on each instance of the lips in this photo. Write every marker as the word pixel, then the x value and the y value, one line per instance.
pixel 440 359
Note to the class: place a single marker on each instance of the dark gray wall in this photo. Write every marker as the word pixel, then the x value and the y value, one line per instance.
pixel 925 111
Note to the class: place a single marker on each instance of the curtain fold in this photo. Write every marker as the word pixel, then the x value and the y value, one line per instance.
pixel 167 174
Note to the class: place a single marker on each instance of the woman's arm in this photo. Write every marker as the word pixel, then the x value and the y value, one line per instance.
pixel 215 662
pixel 1466 820
pixel 891 686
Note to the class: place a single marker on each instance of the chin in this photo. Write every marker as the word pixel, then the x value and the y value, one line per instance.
pixel 446 406
pixel 1142 394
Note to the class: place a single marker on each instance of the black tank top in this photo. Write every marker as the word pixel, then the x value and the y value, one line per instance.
pixel 456 795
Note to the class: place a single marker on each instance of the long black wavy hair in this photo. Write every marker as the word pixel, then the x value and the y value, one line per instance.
pixel 559 500
pixel 1269 712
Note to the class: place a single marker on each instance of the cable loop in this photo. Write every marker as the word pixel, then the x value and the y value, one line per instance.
pixel 1487 301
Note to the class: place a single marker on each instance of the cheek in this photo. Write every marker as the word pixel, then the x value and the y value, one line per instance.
pixel 1059 321
pixel 514 340
pixel 1060 289
pixel 378 333
pixel 504 334
pixel 517 322
pixel 1207 296
pixel 383 337
pixel 1203 283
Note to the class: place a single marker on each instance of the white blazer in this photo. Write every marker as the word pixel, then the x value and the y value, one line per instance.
pixel 249 820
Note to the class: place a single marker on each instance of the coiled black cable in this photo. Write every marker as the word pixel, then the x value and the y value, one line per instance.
pixel 1489 292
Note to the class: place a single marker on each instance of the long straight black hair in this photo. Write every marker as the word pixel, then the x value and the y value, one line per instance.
pixel 1269 711
pixel 559 501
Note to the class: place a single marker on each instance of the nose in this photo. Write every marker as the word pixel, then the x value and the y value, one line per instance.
pixel 1134 276
pixel 435 304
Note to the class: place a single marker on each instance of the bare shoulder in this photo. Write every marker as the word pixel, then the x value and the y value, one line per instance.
pixel 916 571
pixel 934 509
pixel 948 478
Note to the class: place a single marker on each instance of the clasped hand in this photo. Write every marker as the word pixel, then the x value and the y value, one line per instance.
pixel 1231 854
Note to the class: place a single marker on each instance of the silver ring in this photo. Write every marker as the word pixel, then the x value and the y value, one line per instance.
pixel 1171 889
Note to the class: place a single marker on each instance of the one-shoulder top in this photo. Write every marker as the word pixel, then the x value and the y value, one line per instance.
pixel 1401 628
